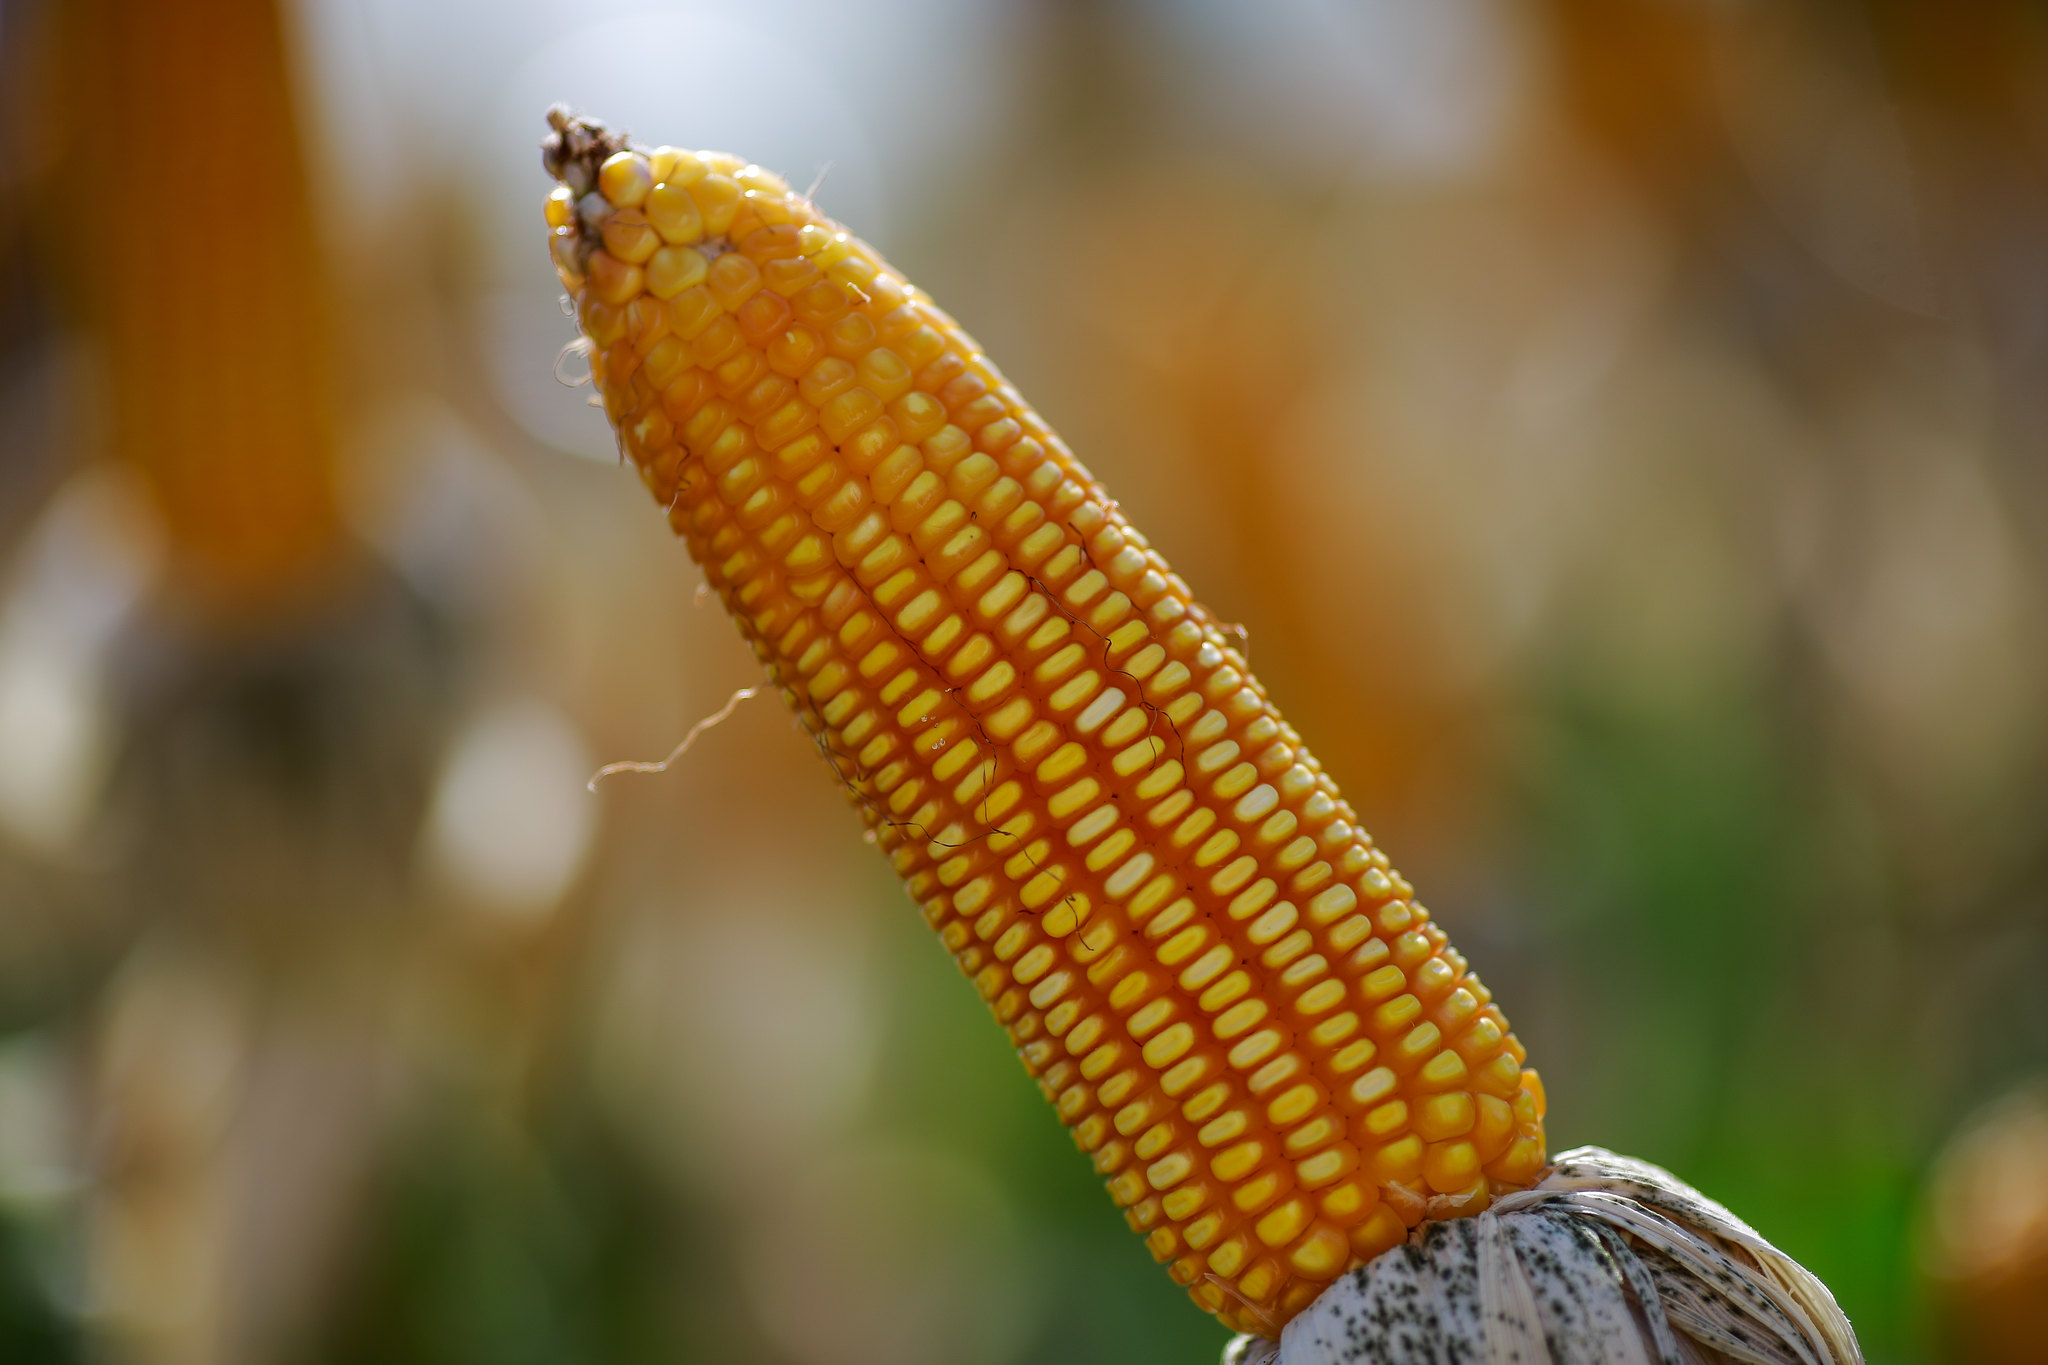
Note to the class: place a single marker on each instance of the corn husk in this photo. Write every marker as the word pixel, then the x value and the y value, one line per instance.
pixel 1607 1261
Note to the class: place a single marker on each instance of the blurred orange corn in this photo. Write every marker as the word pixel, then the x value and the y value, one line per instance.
pixel 215 316
pixel 1267 1046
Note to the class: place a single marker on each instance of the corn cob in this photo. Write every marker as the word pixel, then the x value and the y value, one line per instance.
pixel 214 324
pixel 1264 1041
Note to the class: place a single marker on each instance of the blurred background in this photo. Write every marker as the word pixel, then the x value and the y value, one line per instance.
pixel 1620 425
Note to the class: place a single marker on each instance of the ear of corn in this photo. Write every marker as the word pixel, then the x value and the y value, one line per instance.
pixel 212 314
pixel 1264 1042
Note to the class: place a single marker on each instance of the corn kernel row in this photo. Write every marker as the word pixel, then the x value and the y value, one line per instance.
pixel 1266 1045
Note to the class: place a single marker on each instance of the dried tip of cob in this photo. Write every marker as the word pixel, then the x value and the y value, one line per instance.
pixel 577 148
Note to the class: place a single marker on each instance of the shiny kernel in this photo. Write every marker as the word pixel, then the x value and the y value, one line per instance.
pixel 1373 1087
pixel 1255 1049
pixel 1324 995
pixel 1349 1201
pixel 1313 1135
pixel 1260 1281
pixel 1188 1073
pixel 1397 1162
pixel 1386 1120
pixel 1283 1224
pixel 1381 1232
pixel 1226 992
pixel 1262 1189
pixel 1416 1046
pixel 718 199
pixel 1396 1014
pixel 1493 1126
pixel 1207 968
pixel 1270 926
pixel 1230 1256
pixel 674 214
pixel 1226 1128
pixel 1240 1017
pixel 1450 1166
pixel 1321 1254
pixel 1152 1017
pixel 625 179
pixel 628 236
pixel 1067 916
pixel 1169 1046
pixel 1235 1163
pixel 1185 1201
pixel 1520 1164
pixel 1293 1106
pixel 1277 1074
pixel 1443 1071
pixel 1169 1171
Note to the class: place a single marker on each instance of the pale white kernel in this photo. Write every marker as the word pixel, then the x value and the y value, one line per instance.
pixel 1255 804
pixel 1127 878
pixel 1099 711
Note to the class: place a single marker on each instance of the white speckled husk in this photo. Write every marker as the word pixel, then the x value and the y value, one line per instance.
pixel 1607 1261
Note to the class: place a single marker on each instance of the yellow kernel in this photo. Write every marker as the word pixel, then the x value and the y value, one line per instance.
pixel 628 236
pixel 1331 1164
pixel 1225 1128
pixel 1324 995
pixel 1450 1166
pixel 1397 1162
pixel 718 199
pixel 1073 798
pixel 1256 1048
pixel 1239 1017
pixel 1065 761
pixel 1442 1071
pixel 1321 1254
pixel 1387 1119
pixel 1207 968
pixel 1381 1232
pixel 1283 1224
pixel 1260 1191
pixel 1169 1046
pixel 1152 1017
pixel 625 179
pixel 1350 1201
pixel 1445 1116
pixel 1373 1086
pixel 1417 1045
pixel 1235 1163
pixel 1293 1106
pixel 1226 992
pixel 1270 926
pixel 1185 1201
pixel 1396 1014
pixel 1229 1257
pixel 1070 914
pixel 1127 878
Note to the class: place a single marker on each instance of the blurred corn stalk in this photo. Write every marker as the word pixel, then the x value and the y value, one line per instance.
pixel 273 704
